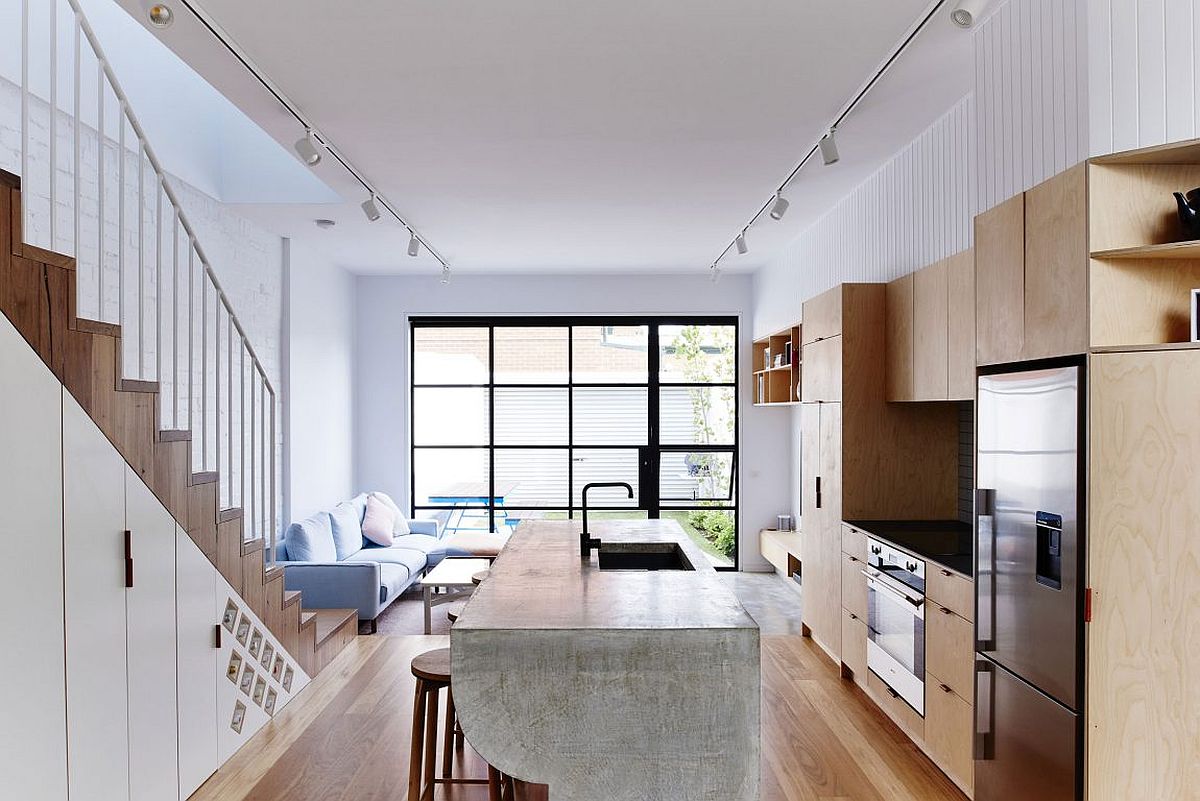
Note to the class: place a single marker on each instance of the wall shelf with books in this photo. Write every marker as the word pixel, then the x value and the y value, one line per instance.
pixel 776 360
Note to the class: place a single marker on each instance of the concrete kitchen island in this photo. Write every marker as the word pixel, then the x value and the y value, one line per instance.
pixel 610 684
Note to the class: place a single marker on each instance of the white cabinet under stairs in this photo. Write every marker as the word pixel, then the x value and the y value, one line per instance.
pixel 133 670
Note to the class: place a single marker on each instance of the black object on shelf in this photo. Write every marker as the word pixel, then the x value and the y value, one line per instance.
pixel 1189 213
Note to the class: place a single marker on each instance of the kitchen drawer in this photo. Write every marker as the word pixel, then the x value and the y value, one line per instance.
pixel 854 646
pixel 949 731
pixel 949 589
pixel 896 708
pixel 854 586
pixel 950 649
pixel 854 542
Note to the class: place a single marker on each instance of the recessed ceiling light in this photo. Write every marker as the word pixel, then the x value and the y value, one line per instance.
pixel 161 16
pixel 324 224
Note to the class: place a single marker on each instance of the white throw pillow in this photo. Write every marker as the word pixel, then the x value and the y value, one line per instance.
pixel 400 526
pixel 379 522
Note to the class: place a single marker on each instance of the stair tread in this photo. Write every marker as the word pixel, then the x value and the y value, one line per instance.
pixel 137 385
pixel 174 435
pixel 307 618
pixel 272 573
pixel 252 546
pixel 290 597
pixel 330 620
pixel 97 327
pixel 232 513
pixel 207 477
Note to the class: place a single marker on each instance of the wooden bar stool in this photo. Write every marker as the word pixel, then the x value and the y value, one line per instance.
pixel 432 671
pixel 477 578
pixel 454 611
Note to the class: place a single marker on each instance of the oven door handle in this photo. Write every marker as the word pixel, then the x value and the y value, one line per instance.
pixel 877 580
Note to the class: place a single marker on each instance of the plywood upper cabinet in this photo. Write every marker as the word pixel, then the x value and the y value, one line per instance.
pixel 1000 282
pixel 1056 264
pixel 930 332
pixel 822 316
pixel 821 379
pixel 960 326
pixel 899 344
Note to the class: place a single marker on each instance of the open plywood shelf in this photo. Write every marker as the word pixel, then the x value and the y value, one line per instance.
pixel 1141 276
pixel 777 368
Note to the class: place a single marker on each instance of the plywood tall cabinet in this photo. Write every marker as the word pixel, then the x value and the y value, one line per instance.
pixel 861 457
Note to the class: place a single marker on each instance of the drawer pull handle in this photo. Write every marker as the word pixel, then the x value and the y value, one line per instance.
pixel 945 689
pixel 892 692
pixel 945 573
pixel 853 616
pixel 853 558
pixel 944 610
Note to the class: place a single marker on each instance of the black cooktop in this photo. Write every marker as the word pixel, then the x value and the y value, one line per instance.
pixel 948 543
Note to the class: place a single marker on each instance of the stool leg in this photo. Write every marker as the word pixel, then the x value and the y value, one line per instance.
pixel 510 789
pixel 448 738
pixel 431 724
pixel 494 788
pixel 418 741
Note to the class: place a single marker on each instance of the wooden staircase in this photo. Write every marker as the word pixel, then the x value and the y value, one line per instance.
pixel 37 294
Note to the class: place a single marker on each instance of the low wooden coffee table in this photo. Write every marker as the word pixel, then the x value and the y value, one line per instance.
pixel 452 574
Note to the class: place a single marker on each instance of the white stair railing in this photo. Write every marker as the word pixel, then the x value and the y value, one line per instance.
pixel 92 188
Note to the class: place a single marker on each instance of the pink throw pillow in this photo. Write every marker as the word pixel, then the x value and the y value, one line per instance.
pixel 378 522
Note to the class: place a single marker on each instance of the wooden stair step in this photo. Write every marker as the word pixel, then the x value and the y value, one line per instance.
pixel 96 327
pixel 135 385
pixel 174 435
pixel 232 513
pixel 272 573
pixel 330 620
pixel 290 597
pixel 252 546
pixel 307 618
pixel 208 477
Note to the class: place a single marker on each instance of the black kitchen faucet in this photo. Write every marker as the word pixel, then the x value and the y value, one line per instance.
pixel 586 543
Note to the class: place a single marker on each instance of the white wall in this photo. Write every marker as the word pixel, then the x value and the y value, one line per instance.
pixel 318 381
pixel 381 400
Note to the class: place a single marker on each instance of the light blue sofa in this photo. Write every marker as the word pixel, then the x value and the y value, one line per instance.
pixel 327 559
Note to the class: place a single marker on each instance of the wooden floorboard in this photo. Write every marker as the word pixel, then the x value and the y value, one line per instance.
pixel 346 736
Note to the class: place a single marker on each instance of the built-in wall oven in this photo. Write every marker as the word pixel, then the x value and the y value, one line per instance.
pixel 896 621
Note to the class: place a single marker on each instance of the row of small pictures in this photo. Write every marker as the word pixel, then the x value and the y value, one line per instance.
pixel 254 643
pixel 283 675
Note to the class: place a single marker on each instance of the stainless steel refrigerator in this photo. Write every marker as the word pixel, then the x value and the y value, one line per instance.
pixel 1028 584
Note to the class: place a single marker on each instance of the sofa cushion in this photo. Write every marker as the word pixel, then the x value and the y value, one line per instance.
pixel 393 580
pixel 347 530
pixel 400 527
pixel 412 559
pixel 378 522
pixel 359 502
pixel 311 540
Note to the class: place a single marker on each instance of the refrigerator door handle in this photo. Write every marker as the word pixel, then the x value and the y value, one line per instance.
pixel 985 569
pixel 984 710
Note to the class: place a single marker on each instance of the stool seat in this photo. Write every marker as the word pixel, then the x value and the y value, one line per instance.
pixel 479 577
pixel 433 666
pixel 454 611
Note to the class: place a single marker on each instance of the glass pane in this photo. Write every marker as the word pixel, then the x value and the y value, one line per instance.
pixel 697 415
pixel 531 416
pixel 611 354
pixel 450 355
pixel 605 465
pixel 531 355
pixel 453 477
pixel 450 416
pixel 714 530
pixel 696 354
pixel 610 416
pixel 532 477
pixel 695 476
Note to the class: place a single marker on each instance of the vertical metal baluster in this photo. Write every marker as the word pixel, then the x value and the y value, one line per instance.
pixel 217 389
pixel 25 98
pixel 229 393
pixel 253 456
pixel 191 340
pixel 242 412
pixel 158 291
pixel 78 215
pixel 101 149
pixel 141 262
pixel 271 497
pixel 175 322
pixel 203 370
pixel 54 125
pixel 262 512
pixel 121 226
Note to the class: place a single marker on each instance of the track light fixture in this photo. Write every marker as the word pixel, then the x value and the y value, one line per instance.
pixel 414 245
pixel 371 208
pixel 829 148
pixel 966 12
pixel 714 274
pixel 779 207
pixel 740 242
pixel 306 147
pixel 445 273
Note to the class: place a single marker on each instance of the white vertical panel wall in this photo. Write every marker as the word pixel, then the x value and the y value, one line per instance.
pixel 1144 73
pixel 1031 95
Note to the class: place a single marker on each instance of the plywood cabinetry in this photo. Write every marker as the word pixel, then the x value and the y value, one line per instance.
pixel 777 368
pixel 822 316
pixel 928 339
pixel 854 647
pixel 1056 264
pixel 949 649
pixel 960 326
pixel 1143 708
pixel 820 425
pixel 1000 282
pixel 949 730
pixel 822 376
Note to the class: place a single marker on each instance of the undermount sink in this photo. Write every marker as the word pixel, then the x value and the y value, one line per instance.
pixel 643 556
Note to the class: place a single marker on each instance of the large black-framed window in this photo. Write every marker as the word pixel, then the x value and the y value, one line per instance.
pixel 511 416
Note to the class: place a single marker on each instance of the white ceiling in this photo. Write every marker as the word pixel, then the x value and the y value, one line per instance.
pixel 542 135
